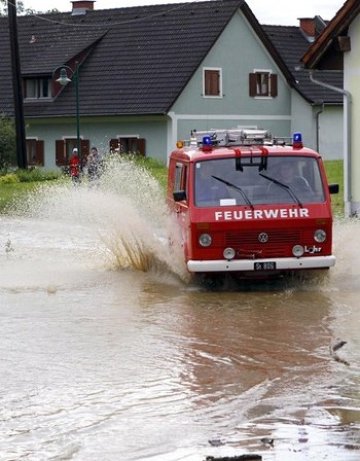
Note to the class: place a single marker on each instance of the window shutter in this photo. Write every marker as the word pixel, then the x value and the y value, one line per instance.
pixel 252 85
pixel 274 85
pixel 39 154
pixel 60 153
pixel 85 149
pixel 141 146
pixel 114 145
pixel 212 83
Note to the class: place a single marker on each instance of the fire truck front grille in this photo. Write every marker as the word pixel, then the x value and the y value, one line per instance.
pixel 275 237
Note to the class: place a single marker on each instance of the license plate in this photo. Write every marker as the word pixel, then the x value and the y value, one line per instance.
pixel 265 266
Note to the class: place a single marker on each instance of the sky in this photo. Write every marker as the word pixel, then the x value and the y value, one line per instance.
pixel 282 12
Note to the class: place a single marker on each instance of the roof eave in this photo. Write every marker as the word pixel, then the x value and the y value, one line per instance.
pixel 338 24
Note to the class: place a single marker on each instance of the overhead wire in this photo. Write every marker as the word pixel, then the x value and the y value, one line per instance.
pixel 106 24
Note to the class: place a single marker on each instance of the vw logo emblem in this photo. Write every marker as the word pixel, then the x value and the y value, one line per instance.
pixel 263 237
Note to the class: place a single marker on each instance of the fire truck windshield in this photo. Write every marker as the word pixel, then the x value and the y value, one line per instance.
pixel 285 180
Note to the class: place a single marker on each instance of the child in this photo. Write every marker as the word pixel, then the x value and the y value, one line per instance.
pixel 74 164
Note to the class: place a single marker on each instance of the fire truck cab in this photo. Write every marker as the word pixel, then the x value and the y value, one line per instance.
pixel 250 204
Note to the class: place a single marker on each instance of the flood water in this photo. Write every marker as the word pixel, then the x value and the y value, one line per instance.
pixel 108 352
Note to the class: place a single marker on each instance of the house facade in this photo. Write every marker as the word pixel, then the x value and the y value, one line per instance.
pixel 316 110
pixel 140 78
pixel 338 47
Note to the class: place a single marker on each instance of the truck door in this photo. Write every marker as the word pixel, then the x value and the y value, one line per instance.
pixel 180 195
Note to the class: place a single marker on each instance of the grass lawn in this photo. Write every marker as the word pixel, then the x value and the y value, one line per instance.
pixel 335 175
pixel 11 192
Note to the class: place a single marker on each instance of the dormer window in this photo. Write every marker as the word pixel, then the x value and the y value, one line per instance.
pixel 263 83
pixel 37 88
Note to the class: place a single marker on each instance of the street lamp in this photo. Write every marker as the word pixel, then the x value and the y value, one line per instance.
pixel 63 80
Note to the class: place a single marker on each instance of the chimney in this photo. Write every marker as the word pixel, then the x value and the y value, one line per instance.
pixel 82 6
pixel 308 27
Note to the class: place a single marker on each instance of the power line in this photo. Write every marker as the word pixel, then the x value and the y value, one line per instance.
pixel 106 24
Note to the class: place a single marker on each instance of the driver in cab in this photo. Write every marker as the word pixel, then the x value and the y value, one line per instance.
pixel 288 175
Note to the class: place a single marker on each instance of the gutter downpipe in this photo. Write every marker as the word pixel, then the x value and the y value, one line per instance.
pixel 347 141
pixel 317 118
pixel 172 134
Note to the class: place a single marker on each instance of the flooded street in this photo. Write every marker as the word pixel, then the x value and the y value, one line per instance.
pixel 109 353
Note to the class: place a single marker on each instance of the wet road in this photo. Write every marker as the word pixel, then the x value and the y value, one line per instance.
pixel 98 362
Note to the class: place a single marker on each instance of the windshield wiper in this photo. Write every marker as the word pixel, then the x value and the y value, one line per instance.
pixel 227 183
pixel 284 186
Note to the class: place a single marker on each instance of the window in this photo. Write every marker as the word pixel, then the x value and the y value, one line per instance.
pixel 212 83
pixel 35 152
pixel 219 182
pixel 262 83
pixel 179 188
pixel 37 88
pixel 128 145
pixel 209 190
pixel 64 147
pixel 180 177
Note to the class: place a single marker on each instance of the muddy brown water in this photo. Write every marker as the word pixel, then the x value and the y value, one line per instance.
pixel 102 361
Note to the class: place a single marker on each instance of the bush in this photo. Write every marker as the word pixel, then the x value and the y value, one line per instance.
pixel 7 143
pixel 10 178
pixel 37 174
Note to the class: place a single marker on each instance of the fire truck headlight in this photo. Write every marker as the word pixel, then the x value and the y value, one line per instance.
pixel 319 236
pixel 229 253
pixel 298 251
pixel 205 240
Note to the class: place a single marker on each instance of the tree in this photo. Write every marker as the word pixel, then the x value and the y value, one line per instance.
pixel 21 10
pixel 3 7
pixel 7 143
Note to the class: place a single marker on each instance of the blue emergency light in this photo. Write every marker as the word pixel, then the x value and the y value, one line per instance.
pixel 206 140
pixel 297 140
pixel 297 137
pixel 207 143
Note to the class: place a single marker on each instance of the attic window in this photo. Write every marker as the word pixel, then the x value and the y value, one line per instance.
pixel 37 88
pixel 212 82
pixel 263 83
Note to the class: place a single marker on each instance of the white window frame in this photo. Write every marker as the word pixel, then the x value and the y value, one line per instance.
pixel 220 95
pixel 38 87
pixel 264 71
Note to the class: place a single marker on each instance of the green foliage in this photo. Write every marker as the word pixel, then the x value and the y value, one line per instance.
pixel 7 143
pixel 12 192
pixel 155 167
pixel 21 10
pixel 10 178
pixel 335 174
pixel 37 174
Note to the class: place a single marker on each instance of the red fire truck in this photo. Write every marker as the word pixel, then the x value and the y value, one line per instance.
pixel 250 204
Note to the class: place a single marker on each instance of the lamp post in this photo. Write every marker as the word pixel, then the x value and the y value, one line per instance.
pixel 63 80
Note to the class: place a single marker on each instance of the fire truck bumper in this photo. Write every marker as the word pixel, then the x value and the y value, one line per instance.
pixel 247 265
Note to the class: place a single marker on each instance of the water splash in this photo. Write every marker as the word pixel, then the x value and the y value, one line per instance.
pixel 125 211
pixel 126 214
pixel 347 251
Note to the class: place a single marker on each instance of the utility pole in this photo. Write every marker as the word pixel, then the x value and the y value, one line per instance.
pixel 17 87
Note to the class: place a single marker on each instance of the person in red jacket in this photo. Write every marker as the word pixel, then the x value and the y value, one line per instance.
pixel 74 164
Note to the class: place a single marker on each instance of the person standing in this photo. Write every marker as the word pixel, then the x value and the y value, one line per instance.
pixel 74 164
pixel 93 165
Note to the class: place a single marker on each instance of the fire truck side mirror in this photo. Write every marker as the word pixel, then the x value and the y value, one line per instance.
pixel 179 195
pixel 334 188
